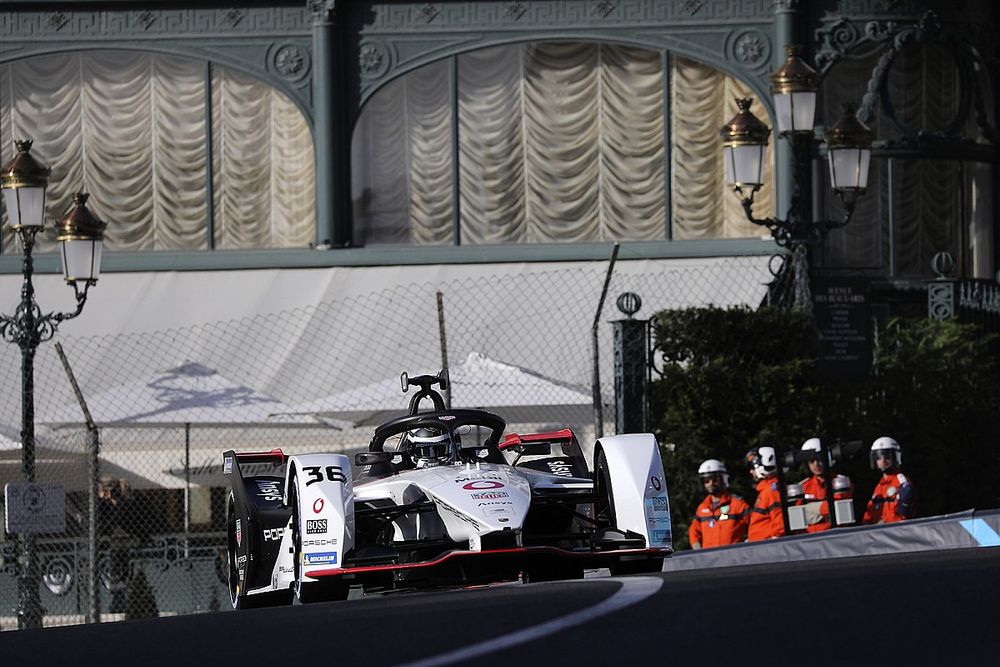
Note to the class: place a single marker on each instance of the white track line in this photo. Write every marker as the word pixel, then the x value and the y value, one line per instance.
pixel 633 591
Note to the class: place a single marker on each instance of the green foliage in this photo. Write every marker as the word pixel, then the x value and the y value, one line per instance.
pixel 938 393
pixel 734 379
pixel 140 600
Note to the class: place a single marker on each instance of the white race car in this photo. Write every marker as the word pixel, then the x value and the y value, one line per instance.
pixel 441 499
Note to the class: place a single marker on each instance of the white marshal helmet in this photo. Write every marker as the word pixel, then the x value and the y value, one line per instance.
pixel 762 462
pixel 813 444
pixel 713 467
pixel 884 444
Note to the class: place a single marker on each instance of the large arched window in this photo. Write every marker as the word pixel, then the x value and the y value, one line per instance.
pixel 556 142
pixel 138 131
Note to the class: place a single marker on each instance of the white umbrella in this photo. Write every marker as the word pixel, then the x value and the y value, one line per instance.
pixel 517 394
pixel 189 397
pixel 188 394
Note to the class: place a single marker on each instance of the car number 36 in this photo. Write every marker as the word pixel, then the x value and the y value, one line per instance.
pixel 321 473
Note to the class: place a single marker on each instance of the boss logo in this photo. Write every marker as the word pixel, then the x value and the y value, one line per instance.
pixel 314 526
pixel 273 534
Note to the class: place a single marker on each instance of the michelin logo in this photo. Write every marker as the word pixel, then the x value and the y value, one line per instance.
pixel 325 558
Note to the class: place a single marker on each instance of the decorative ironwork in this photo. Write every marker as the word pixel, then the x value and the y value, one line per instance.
pixel 941 300
pixel 289 61
pixel 514 10
pixel 750 48
pixel 28 327
pixel 232 17
pixel 428 12
pixel 605 7
pixel 840 36
pixel 692 6
pixel 372 59
pixel 64 562
pixel 629 303
pixel 323 11
pixel 631 345
pixel 57 21
pixel 835 39
pixel 781 289
pixel 979 296
pixel 147 19
pixel 943 264
pixel 57 575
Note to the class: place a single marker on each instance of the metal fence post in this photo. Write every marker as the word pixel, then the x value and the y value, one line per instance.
pixel 631 367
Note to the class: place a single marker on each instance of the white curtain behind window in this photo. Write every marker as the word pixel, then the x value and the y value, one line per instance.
pixel 704 206
pixel 130 129
pixel 558 142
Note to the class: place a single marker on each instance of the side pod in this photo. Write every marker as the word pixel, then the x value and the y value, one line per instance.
pixel 638 486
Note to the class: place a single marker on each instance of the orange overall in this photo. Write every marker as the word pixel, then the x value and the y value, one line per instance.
pixel 766 518
pixel 814 489
pixel 718 523
pixel 892 500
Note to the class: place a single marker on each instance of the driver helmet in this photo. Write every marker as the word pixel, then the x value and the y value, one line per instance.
pixel 762 462
pixel 887 449
pixel 428 447
pixel 712 468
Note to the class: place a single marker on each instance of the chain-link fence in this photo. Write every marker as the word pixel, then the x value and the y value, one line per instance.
pixel 168 403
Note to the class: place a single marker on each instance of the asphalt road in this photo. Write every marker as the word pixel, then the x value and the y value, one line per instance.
pixel 919 609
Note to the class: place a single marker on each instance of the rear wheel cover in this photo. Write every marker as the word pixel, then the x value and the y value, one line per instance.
pixel 232 550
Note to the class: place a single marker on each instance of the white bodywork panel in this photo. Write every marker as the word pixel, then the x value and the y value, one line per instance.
pixel 326 510
pixel 639 486
pixel 471 500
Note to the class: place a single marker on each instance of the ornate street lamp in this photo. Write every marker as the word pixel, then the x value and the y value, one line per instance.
pixel 23 181
pixel 848 149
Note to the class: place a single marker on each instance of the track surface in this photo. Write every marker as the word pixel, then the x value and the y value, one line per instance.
pixel 921 608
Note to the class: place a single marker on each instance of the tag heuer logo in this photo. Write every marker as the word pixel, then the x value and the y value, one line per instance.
pixel 314 526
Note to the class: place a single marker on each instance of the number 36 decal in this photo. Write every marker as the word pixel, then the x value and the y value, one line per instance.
pixel 320 473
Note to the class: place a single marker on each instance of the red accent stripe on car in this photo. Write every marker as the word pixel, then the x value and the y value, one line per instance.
pixel 335 572
pixel 275 455
pixel 514 439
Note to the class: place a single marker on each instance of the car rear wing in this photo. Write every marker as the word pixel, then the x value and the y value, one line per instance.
pixel 555 452
pixel 263 491
pixel 275 456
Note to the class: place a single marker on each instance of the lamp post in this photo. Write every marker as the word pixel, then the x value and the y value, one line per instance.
pixel 848 144
pixel 23 181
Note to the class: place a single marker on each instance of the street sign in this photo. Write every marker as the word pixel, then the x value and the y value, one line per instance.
pixel 843 316
pixel 34 508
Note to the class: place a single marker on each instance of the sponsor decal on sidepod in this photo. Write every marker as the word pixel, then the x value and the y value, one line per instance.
pixel 482 485
pixel 489 495
pixel 325 558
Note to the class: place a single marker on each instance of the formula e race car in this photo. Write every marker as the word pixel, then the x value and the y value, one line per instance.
pixel 442 498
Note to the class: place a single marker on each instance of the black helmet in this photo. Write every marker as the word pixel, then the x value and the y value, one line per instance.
pixel 428 446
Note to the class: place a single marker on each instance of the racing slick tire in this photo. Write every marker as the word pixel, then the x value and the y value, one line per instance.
pixel 309 592
pixel 238 597
pixel 604 511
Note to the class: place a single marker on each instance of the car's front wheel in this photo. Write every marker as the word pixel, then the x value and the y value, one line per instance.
pixel 604 513
pixel 308 592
